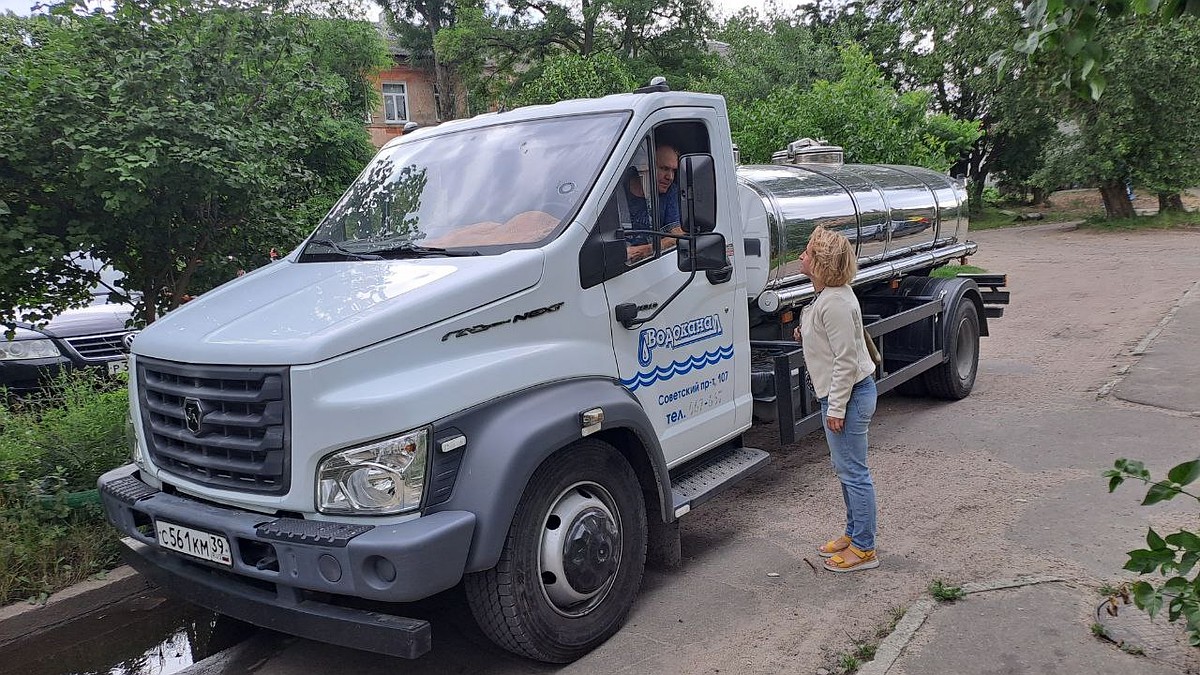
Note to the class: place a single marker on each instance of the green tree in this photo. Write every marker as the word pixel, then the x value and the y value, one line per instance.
pixel 941 47
pixel 1069 30
pixel 501 51
pixel 417 24
pixel 168 136
pixel 764 54
pixel 862 112
pixel 1174 556
pixel 569 76
pixel 1151 77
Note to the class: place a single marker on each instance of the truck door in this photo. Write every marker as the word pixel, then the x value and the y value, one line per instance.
pixel 683 365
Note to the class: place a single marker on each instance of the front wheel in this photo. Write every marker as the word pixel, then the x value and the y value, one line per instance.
pixel 955 378
pixel 573 560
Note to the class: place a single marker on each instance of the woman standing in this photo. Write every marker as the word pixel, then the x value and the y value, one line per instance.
pixel 842 373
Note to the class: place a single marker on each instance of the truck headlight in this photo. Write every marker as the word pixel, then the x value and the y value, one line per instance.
pixel 20 350
pixel 379 478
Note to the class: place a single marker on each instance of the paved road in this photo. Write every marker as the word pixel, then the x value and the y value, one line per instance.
pixel 1003 484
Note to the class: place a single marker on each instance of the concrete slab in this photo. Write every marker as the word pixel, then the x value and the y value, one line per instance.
pixel 1167 374
pixel 1034 629
pixel 22 620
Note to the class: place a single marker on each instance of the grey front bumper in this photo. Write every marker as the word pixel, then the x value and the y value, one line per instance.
pixel 278 562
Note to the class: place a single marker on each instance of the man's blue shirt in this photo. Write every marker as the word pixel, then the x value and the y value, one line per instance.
pixel 639 214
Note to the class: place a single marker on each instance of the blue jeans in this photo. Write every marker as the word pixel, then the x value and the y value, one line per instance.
pixel 848 450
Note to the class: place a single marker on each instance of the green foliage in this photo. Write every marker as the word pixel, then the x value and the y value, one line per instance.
pixel 861 112
pixel 51 449
pixel 951 271
pixel 1149 78
pixel 503 52
pixel 991 196
pixel 74 431
pixel 570 76
pixel 168 136
pixel 928 45
pixel 1173 556
pixel 1069 30
pixel 766 53
pixel 943 592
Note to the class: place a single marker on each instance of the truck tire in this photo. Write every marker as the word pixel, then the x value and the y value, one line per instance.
pixel 573 560
pixel 955 378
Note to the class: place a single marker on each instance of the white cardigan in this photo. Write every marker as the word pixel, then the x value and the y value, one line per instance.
pixel 835 351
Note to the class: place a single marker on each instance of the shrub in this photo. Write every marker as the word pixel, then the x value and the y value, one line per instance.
pixel 51 446
pixel 1174 556
pixel 991 196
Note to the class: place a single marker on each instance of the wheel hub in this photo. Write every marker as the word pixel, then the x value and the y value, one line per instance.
pixel 580 549
pixel 588 559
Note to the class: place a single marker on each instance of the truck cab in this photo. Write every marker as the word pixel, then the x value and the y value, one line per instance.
pixel 467 375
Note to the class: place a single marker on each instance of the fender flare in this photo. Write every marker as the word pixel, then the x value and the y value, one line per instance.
pixel 508 439
pixel 957 290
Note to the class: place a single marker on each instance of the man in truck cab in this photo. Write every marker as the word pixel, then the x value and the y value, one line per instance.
pixel 666 163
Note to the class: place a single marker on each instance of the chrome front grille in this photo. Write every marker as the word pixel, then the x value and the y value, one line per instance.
pixel 223 426
pixel 99 347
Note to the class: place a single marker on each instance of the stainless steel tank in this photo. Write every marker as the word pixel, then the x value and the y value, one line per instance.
pixel 899 218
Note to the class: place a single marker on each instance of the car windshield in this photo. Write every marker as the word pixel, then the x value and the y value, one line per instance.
pixel 480 190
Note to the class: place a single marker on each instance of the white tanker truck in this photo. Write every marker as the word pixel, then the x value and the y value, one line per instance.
pixel 463 377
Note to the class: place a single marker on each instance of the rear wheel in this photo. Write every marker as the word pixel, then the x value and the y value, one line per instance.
pixel 573 559
pixel 955 378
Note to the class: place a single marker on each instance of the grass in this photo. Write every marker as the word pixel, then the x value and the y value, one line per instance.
pixel 1159 221
pixel 950 271
pixel 990 218
pixel 863 650
pixel 943 592
pixel 51 448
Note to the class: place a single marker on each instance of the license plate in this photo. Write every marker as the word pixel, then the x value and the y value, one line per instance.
pixel 196 543
pixel 121 366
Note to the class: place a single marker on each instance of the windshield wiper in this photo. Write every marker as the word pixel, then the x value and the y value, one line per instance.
pixel 416 250
pixel 346 252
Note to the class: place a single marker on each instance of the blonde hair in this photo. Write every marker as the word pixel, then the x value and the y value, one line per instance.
pixel 831 257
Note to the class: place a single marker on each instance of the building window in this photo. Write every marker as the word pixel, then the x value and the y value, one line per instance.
pixel 395 102
pixel 437 102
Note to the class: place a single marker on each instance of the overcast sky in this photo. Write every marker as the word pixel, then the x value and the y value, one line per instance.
pixel 724 7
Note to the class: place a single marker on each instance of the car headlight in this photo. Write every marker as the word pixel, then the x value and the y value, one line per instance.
pixel 383 477
pixel 20 350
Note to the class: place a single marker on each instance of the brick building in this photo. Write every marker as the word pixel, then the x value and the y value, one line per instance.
pixel 408 93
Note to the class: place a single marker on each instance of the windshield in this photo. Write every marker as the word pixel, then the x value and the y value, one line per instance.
pixel 485 190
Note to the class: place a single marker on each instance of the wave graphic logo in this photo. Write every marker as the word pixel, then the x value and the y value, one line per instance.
pixel 679 335
pixel 664 373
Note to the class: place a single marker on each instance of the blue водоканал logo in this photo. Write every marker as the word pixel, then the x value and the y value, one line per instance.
pixel 679 335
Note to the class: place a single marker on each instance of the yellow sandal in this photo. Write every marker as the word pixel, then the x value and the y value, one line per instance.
pixel 852 560
pixel 834 546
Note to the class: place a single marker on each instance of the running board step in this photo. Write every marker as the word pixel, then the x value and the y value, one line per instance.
pixel 707 477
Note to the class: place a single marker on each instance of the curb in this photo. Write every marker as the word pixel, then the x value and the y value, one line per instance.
pixel 893 645
pixel 22 619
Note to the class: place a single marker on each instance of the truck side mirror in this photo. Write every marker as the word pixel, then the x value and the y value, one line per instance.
pixel 698 193
pixel 706 251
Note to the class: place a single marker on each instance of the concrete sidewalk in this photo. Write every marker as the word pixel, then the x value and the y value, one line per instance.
pixel 1026 626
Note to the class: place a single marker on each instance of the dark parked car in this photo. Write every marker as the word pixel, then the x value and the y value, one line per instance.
pixel 95 336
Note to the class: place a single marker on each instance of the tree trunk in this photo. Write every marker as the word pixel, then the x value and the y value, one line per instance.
pixel 1116 200
pixel 442 75
pixel 149 304
pixel 975 195
pixel 1169 201
pixel 1038 195
pixel 448 97
pixel 590 14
